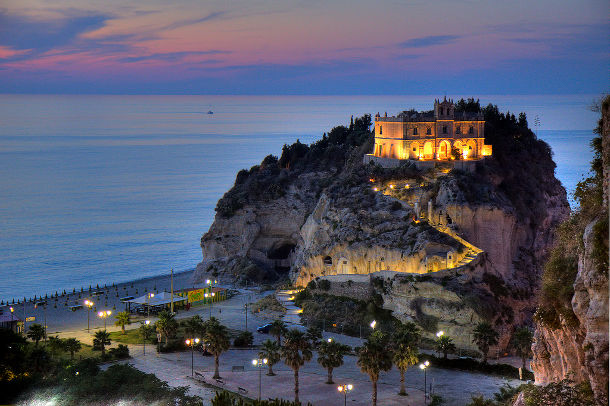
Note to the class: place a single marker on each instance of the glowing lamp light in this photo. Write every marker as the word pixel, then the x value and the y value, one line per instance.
pixel 440 334
pixel 375 189
pixel 330 340
pixel 147 322
pixel 407 186
pixel 391 186
pixel 373 323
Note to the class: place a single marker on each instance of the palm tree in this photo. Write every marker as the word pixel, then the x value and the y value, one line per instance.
pixel 278 329
pixel 101 340
pixel 314 335
pixel 330 356
pixel 146 331
pixel 405 342
pixel 72 345
pixel 193 327
pixel 122 318
pixel 373 357
pixel 296 351
pixel 445 344
pixel 36 333
pixel 166 325
pixel 216 339
pixel 485 336
pixel 272 351
pixel 56 345
pixel 522 342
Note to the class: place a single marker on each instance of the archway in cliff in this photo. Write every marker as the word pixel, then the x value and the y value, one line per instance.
pixel 280 255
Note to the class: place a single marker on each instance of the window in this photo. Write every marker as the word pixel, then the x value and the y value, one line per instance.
pixel 458 130
pixel 442 111
pixel 444 129
pixel 471 130
pixel 380 130
pixel 429 131
pixel 414 149
pixel 415 131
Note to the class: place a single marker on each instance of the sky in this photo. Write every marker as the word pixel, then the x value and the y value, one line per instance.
pixel 305 47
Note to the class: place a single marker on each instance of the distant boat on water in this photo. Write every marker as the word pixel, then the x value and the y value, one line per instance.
pixel 210 112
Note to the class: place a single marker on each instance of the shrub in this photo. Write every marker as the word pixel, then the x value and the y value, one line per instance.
pixel 121 352
pixel 324 284
pixel 244 339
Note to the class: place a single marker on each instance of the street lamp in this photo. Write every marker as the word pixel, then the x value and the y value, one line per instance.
pixel 104 314
pixel 345 389
pixel 260 363
pixel 192 342
pixel 12 309
pixel 145 335
pixel 440 334
pixel 211 295
pixel 89 305
pixel 373 324
pixel 148 296
pixel 424 366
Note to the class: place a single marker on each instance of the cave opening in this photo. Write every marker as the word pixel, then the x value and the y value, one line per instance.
pixel 281 250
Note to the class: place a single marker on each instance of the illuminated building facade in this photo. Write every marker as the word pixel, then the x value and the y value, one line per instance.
pixel 439 135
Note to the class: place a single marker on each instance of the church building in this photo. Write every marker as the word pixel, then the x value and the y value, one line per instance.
pixel 439 135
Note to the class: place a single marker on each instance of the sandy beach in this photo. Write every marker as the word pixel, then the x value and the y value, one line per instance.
pixel 58 311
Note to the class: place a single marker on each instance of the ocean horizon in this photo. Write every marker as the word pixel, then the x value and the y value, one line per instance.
pixel 107 189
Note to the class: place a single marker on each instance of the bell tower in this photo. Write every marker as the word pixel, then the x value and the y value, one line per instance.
pixel 443 110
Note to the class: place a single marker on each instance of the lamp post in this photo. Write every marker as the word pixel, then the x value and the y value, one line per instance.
pixel 148 296
pixel 146 323
pixel 211 295
pixel 424 366
pixel 259 363
pixel 89 305
pixel 345 389
pixel 373 324
pixel 192 342
pixel 104 314
pixel 12 309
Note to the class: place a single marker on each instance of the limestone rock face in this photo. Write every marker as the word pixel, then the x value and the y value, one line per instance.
pixel 581 350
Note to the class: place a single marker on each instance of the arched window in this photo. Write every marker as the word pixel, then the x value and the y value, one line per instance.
pixel 444 129
pixel 442 111
pixel 471 130
pixel 380 130
pixel 415 131
pixel 458 130
pixel 429 131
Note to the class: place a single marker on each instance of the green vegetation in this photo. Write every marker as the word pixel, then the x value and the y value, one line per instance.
pixel 225 398
pixel 271 179
pixel 270 350
pixel 555 304
pixel 101 340
pixel 36 332
pixel 330 356
pixel 484 336
pixel 216 341
pixel 373 358
pixel 268 303
pixel 444 344
pixel 83 383
pixel 343 314
pixel 522 343
pixel 166 326
pixel 295 353
pixel 244 339
pixel 278 329
pixel 122 319
pixel 405 354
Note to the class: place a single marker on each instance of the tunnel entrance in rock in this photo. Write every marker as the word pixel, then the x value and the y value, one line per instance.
pixel 281 250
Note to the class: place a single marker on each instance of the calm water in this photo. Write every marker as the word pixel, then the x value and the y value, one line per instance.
pixel 100 189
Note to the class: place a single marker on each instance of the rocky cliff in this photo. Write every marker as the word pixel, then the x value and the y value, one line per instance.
pixel 479 238
pixel 571 340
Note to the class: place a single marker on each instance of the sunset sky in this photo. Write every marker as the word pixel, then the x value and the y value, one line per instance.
pixel 305 47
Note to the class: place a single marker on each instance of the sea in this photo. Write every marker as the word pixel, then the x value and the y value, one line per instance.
pixel 101 189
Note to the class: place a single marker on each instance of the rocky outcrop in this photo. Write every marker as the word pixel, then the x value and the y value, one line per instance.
pixel 580 351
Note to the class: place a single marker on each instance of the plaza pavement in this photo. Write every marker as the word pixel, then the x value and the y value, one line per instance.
pixel 456 387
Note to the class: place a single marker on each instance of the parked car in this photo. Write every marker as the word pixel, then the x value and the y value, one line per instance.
pixel 264 329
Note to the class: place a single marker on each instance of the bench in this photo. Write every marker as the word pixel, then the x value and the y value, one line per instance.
pixel 237 368
pixel 219 381
pixel 199 376
pixel 242 390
